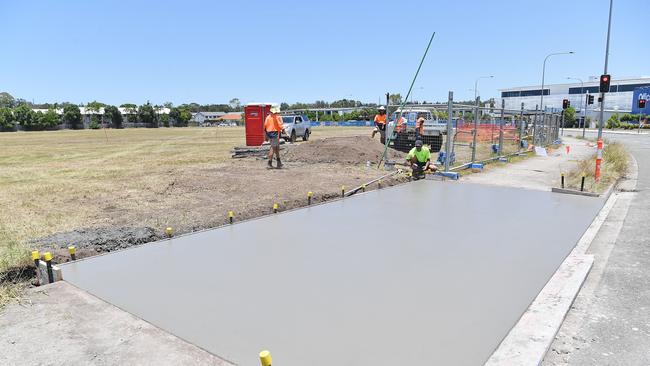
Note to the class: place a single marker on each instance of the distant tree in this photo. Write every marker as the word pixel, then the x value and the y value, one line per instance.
pixel 6 100
pixel 114 116
pixel 131 112
pixel 72 115
pixel 181 116
pixel 284 106
pixel 24 116
pixel 234 104
pixel 147 115
pixel 169 105
pixel 6 118
pixel 94 123
pixel 50 119
pixel 569 117
pixel 164 118
pixel 395 98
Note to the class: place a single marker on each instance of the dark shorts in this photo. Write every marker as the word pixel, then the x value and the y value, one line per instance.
pixel 273 138
pixel 381 126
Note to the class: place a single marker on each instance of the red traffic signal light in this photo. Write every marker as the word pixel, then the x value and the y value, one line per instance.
pixel 605 80
pixel 565 104
pixel 641 103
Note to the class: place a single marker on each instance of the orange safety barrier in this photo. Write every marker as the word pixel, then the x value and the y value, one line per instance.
pixel 486 132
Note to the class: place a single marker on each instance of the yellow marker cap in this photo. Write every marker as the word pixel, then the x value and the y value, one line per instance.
pixel 584 174
pixel 231 214
pixel 35 255
pixel 47 256
pixel 265 358
pixel 562 174
pixel 72 250
pixel 275 206
pixel 310 193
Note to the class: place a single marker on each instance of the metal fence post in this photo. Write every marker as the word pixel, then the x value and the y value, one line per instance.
pixel 503 104
pixel 476 112
pixel 535 124
pixel 449 131
pixel 521 126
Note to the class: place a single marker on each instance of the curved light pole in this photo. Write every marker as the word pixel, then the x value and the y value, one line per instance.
pixel 584 115
pixel 476 84
pixel 541 101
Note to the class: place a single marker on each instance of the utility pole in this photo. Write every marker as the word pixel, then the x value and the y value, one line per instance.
pixel 599 154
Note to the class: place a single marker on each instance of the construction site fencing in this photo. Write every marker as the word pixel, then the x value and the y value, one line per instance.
pixel 468 136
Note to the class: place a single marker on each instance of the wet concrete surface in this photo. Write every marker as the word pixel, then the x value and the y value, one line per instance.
pixel 422 273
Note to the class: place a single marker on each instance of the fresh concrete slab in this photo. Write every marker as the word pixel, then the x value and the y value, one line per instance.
pixel 423 273
pixel 59 324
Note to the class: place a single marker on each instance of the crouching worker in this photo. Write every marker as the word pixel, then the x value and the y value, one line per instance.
pixel 419 158
pixel 273 128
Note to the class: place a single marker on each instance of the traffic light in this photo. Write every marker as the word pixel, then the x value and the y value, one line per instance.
pixel 590 99
pixel 641 103
pixel 604 83
pixel 565 104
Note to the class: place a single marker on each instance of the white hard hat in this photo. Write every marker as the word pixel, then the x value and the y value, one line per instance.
pixel 275 109
pixel 382 108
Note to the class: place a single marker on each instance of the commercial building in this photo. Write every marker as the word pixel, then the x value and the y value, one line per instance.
pixel 622 98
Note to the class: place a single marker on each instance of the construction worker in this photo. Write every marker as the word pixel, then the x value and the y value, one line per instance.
pixel 419 158
pixel 273 128
pixel 419 128
pixel 380 122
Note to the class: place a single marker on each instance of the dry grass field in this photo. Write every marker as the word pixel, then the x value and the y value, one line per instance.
pixel 60 181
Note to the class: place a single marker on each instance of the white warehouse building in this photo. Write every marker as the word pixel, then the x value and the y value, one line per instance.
pixel 622 97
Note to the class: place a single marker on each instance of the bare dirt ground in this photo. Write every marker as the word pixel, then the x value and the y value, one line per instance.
pixel 106 190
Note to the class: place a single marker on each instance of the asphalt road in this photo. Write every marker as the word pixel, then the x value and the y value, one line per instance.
pixel 609 323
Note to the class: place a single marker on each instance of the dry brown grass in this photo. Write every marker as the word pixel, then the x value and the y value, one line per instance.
pixel 614 166
pixel 63 180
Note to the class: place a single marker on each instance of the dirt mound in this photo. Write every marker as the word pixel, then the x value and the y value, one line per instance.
pixel 91 241
pixel 343 150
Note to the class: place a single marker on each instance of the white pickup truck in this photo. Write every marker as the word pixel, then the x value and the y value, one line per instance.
pixel 404 133
pixel 296 126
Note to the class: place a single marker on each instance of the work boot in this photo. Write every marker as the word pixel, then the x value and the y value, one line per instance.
pixel 270 163
pixel 279 163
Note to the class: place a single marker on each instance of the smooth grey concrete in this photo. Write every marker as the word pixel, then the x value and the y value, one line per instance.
pixel 609 323
pixel 382 278
pixel 59 324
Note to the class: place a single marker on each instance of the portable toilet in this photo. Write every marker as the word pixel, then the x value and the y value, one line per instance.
pixel 254 116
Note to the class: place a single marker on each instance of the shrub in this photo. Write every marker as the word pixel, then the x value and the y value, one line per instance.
pixel 94 123
pixel 613 122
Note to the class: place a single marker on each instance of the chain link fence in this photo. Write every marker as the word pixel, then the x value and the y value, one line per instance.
pixel 476 134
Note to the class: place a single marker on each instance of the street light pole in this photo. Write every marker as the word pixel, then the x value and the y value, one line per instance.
pixel 476 84
pixel 541 101
pixel 602 94
pixel 599 152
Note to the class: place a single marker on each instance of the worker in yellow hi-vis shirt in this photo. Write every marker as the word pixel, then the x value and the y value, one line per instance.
pixel 419 158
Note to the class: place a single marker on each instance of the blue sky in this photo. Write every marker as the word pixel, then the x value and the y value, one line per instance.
pixel 289 51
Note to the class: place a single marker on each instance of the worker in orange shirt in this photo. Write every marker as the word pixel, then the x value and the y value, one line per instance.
pixel 273 128
pixel 380 122
pixel 419 128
